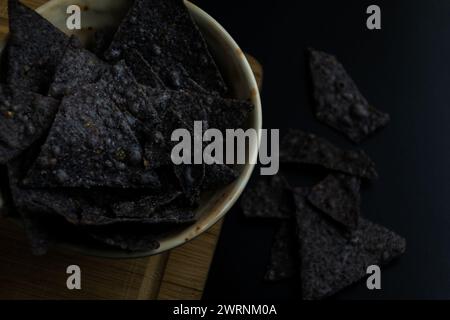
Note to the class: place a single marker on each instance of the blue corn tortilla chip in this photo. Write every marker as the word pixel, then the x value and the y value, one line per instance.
pixel 24 118
pixel 91 145
pixel 269 197
pixel 338 195
pixel 96 160
pixel 130 97
pixel 35 207
pixel 97 207
pixel 283 257
pixel 35 48
pixel 339 103
pixel 77 68
pixel 166 36
pixel 102 40
pixel 218 112
pixel 298 147
pixel 332 261
pixel 191 178
pixel 179 109
pixel 139 107
pixel 67 204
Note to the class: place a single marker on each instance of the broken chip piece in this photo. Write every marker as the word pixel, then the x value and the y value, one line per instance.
pixel 339 103
pixel 339 196
pixel 24 118
pixel 167 37
pixel 283 257
pixel 269 197
pixel 35 48
pixel 331 261
pixel 306 148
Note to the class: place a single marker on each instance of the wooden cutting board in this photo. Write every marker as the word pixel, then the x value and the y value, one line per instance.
pixel 178 274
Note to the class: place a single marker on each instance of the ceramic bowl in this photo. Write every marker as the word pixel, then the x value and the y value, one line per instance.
pixel 97 14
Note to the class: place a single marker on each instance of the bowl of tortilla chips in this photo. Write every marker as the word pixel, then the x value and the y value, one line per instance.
pixel 91 111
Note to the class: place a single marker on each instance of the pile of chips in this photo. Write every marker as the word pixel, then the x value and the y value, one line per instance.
pixel 322 239
pixel 85 135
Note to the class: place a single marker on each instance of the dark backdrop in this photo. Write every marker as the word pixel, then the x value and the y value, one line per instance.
pixel 402 69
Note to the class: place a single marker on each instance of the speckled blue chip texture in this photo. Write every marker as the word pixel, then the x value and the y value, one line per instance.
pixel 331 260
pixel 339 103
pixel 91 144
pixel 24 118
pixel 35 48
pixel 167 37
pixel 298 147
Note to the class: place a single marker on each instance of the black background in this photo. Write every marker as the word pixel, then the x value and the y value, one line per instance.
pixel 402 69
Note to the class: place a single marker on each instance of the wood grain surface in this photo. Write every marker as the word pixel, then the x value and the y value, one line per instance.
pixel 178 274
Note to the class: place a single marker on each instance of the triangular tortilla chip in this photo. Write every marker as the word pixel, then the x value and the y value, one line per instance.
pixel 339 103
pixel 283 257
